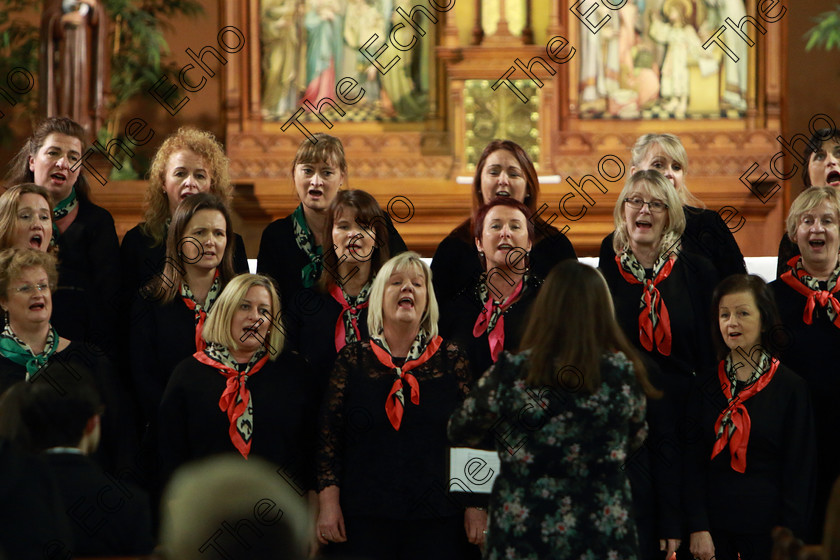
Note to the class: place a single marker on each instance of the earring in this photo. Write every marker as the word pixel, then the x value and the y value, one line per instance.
pixel 481 254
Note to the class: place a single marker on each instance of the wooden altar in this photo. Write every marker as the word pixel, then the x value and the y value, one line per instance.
pixel 420 161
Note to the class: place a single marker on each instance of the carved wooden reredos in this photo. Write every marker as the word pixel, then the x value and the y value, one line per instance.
pixel 566 134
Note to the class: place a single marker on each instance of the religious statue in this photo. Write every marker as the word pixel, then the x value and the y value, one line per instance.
pixel 74 62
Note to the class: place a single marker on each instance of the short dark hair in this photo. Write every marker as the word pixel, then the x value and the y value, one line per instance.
pixel 481 215
pixel 764 300
pixel 815 142
pixel 52 409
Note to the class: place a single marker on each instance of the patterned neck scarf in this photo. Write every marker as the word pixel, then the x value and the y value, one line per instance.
pixel 306 243
pixel 236 400
pixel 492 317
pixel 802 282
pixel 421 351
pixel 347 325
pixel 20 353
pixel 654 321
pixel 66 206
pixel 733 424
pixel 201 310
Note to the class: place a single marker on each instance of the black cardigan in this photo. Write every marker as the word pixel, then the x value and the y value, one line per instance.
pixel 706 234
pixel 456 265
pixel 141 261
pixel 777 486
pixel 285 408
pixel 813 352
pixel 86 305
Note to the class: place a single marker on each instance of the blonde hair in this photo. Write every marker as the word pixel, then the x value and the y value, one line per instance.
pixel 673 148
pixel 14 260
pixel 401 263
pixel 807 200
pixel 658 187
pixel 217 327
pixel 326 148
pixel 9 205
pixel 203 144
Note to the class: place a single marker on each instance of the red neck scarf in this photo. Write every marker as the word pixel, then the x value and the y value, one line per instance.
pixel 236 399
pixel 201 310
pixel 349 314
pixel 492 317
pixel 802 282
pixel 395 403
pixel 733 424
pixel 654 321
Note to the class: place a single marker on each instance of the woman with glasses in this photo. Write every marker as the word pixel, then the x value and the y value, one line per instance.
pixel 705 231
pixel 662 296
pixel 30 344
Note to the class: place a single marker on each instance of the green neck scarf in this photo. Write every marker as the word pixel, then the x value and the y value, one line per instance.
pixel 20 353
pixel 306 243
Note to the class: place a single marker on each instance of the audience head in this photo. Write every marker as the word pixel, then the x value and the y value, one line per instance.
pixel 26 218
pixel 269 518
pixel 358 229
pixel 319 169
pixel 504 169
pixel 645 225
pixel 27 279
pixel 243 315
pixel 574 308
pixel 51 158
pixel 504 234
pixel 744 315
pixel 402 292
pixel 812 223
pixel 200 238
pixel 60 407
pixel 822 152
pixel 189 161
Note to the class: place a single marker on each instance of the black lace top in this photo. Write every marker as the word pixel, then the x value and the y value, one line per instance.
pixel 381 471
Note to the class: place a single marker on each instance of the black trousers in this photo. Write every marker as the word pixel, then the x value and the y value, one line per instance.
pixel 750 546
pixel 379 538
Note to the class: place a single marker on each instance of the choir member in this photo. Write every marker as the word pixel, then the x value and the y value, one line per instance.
pixel 167 321
pixel 382 461
pixel 810 313
pixel 503 170
pixel 662 296
pixel 571 408
pixel 752 451
pixel 822 152
pixel 30 344
pixel 243 392
pixel 705 232
pixel 359 237
pixel 86 300
pixel 292 248
pixel 189 161
pixel 26 218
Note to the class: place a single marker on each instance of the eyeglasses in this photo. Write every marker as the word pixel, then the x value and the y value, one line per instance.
pixel 655 206
pixel 27 289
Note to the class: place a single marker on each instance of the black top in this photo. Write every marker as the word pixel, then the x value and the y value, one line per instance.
pixel 107 519
pixel 283 396
pixel 813 352
pixel 32 521
pixel 118 435
pixel 86 304
pixel 458 317
pixel 314 338
pixel 283 260
pixel 787 250
pixel 706 234
pixel 383 472
pixel 161 336
pixel 456 265
pixel 655 472
pixel 140 261
pixel 777 486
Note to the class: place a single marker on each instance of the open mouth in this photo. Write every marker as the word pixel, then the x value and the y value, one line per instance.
pixel 315 193
pixel 406 303
pixel 734 335
pixel 35 241
pixel 833 178
pixel 644 225
pixel 817 243
pixel 502 192
pixel 40 306
pixel 58 177
pixel 504 247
